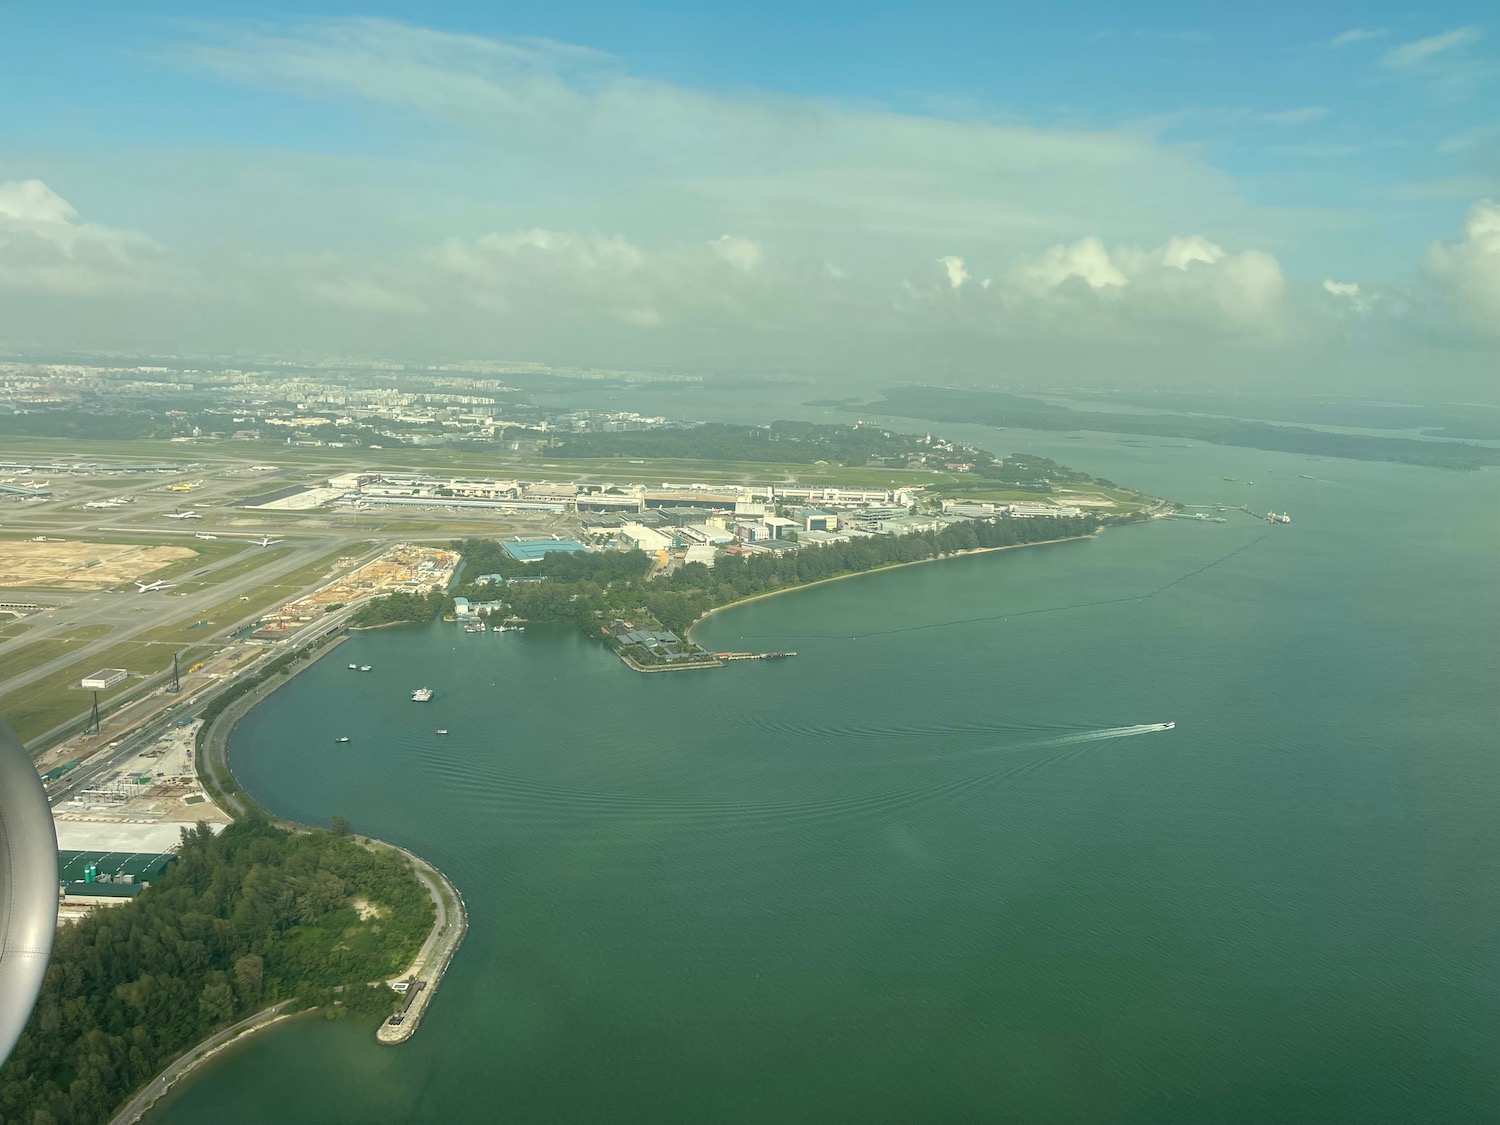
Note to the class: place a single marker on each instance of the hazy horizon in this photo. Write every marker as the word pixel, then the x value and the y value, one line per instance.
pixel 1283 201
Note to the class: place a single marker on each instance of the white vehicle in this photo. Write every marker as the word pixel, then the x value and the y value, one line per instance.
pixel 151 587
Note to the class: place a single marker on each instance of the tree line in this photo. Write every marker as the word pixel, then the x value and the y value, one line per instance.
pixel 242 920
pixel 594 589
pixel 403 605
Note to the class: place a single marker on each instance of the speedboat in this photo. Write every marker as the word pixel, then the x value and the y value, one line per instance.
pixel 345 738
pixel 443 731
pixel 353 667
pixel 1169 726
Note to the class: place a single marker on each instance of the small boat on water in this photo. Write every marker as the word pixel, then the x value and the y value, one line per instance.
pixel 422 695
pixel 362 667
pixel 343 738
pixel 444 730
pixel 1169 726
pixel 353 667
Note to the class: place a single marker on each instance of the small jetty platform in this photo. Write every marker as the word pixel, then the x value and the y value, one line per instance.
pixel 753 655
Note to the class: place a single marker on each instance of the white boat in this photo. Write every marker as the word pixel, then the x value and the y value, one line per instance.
pixel 422 695
pixel 1169 726
pixel 444 730
pixel 345 738
pixel 362 667
pixel 353 667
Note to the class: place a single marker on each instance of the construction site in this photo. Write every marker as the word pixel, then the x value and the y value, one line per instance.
pixel 403 567
pixel 70 564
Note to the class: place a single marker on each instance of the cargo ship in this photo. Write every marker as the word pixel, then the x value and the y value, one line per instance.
pixel 421 695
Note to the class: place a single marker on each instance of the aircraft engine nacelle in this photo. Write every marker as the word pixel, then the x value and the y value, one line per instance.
pixel 28 887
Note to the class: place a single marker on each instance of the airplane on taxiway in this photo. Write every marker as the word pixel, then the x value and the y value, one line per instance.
pixel 183 516
pixel 152 587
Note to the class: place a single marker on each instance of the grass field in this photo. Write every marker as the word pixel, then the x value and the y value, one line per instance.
pixel 320 461
pixel 252 558
pixel 40 706
pixel 18 658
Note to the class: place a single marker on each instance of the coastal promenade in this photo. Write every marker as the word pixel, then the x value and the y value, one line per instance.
pixel 137 1106
pixel 449 925
pixel 451 919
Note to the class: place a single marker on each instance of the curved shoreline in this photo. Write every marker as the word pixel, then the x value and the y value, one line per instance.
pixel 184 1064
pixel 445 937
pixel 432 959
pixel 688 636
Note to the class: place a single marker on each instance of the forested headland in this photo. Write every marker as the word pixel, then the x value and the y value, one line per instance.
pixel 594 589
pixel 243 920
pixel 401 606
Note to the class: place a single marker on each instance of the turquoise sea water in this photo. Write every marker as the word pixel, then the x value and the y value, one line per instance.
pixel 927 871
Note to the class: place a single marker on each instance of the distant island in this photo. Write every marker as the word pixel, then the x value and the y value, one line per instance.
pixel 995 408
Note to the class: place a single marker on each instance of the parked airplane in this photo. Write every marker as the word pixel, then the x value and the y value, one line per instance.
pixel 183 516
pixel 152 587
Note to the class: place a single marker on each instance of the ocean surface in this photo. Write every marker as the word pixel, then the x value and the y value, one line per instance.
pixel 943 866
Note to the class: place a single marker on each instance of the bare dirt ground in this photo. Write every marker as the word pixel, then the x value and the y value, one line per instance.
pixel 80 566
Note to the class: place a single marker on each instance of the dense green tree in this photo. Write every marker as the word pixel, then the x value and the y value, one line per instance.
pixel 402 606
pixel 252 916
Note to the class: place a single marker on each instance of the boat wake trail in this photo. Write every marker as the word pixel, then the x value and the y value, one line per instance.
pixel 1112 732
pixel 1004 616
pixel 547 805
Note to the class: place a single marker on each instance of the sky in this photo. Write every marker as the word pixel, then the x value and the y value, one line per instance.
pixel 1288 195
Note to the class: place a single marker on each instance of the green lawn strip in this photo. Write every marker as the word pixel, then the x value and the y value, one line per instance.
pixel 260 597
pixel 38 652
pixel 253 558
pixel 654 470
pixel 488 463
pixel 38 707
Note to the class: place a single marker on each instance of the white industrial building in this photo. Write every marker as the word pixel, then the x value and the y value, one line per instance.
pixel 104 679
pixel 645 538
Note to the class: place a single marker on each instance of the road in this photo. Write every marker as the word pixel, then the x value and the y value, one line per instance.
pixel 140 738
pixel 138 1105
pixel 449 925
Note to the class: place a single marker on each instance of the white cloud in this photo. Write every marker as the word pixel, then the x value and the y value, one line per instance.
pixel 1084 289
pixel 859 185
pixel 1085 260
pixel 954 267
pixel 1356 35
pixel 1350 293
pixel 572 273
pixel 1420 51
pixel 43 249
pixel 1468 271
